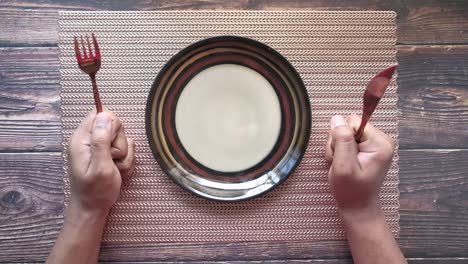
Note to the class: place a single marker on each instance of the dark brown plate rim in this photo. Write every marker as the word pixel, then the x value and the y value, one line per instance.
pixel 302 97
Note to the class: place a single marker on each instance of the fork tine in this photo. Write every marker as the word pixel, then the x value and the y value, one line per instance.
pixel 97 52
pixel 89 47
pixel 84 48
pixel 77 50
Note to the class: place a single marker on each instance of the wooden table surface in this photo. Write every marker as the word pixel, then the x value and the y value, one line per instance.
pixel 433 134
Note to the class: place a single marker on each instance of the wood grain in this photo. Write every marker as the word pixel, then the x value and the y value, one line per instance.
pixel 28 23
pixel 434 215
pixel 438 260
pixel 318 261
pixel 433 98
pixel 433 101
pixel 301 261
pixel 308 261
pixel 434 203
pixel 31 204
pixel 29 100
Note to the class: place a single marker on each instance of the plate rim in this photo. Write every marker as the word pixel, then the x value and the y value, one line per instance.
pixel 203 42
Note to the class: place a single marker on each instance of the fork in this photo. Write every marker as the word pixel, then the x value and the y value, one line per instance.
pixel 90 64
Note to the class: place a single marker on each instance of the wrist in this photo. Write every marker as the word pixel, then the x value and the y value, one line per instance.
pixel 79 215
pixel 362 215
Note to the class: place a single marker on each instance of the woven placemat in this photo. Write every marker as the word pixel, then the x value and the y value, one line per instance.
pixel 336 54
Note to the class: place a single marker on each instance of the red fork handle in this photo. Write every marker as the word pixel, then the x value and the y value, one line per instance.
pixel 370 103
pixel 97 99
pixel 374 92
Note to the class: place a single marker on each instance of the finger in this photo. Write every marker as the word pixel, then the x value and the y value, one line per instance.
pixel 328 149
pixel 116 123
pixel 119 142
pixel 101 141
pixel 118 138
pixel 127 165
pixel 79 140
pixel 345 146
pixel 354 122
pixel 86 125
pixel 373 139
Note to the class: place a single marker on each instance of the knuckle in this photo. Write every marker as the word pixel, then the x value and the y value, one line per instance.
pixel 118 153
pixel 111 114
pixel 343 134
pixel 116 123
pixel 104 171
pixel 124 168
pixel 131 143
pixel 328 154
pixel 131 147
pixel 124 171
pixel 98 140
pixel 128 164
pixel 392 143
pixel 342 172
pixel 353 119
pixel 386 152
pixel 388 143
pixel 125 144
pixel 86 180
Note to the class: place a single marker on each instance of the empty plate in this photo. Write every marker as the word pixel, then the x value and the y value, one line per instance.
pixel 228 118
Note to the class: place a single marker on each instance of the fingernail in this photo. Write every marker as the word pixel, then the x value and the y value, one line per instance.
pixel 337 121
pixel 102 120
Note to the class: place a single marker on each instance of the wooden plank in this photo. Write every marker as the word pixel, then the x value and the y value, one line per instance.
pixel 31 204
pixel 23 28
pixel 433 98
pixel 30 100
pixel 438 260
pixel 301 261
pixel 434 202
pixel 284 261
pixel 317 261
pixel 29 23
pixel 434 215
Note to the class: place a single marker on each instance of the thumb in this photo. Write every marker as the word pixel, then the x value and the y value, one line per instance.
pixel 344 145
pixel 101 136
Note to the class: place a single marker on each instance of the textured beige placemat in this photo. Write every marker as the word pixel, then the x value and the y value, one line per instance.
pixel 336 54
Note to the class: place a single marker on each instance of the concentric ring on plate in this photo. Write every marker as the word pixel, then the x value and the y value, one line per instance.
pixel 228 118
